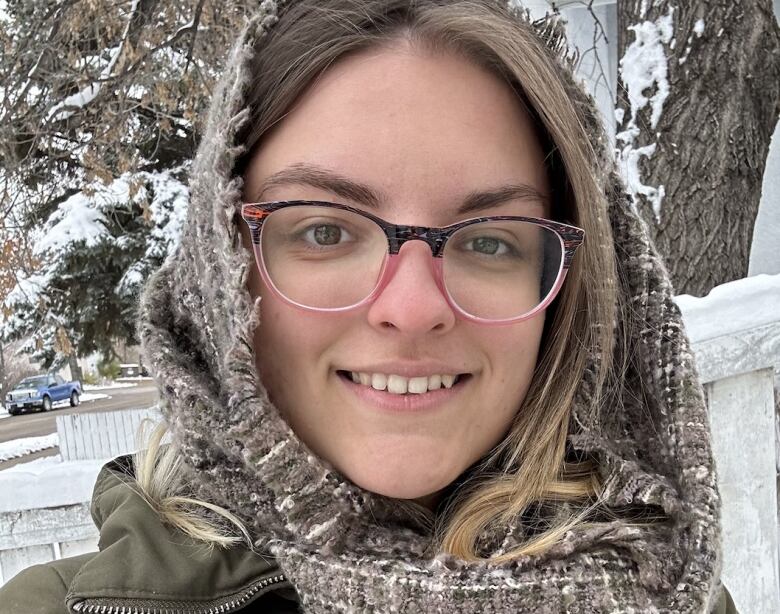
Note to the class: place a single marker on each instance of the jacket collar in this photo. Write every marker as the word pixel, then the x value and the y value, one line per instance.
pixel 145 565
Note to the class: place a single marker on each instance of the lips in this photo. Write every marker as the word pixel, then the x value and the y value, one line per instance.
pixel 404 404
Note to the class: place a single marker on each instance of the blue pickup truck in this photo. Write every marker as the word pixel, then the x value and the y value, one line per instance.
pixel 40 392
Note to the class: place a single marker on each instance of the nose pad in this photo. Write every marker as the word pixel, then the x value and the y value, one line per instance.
pixel 411 300
pixel 416 249
pixel 412 252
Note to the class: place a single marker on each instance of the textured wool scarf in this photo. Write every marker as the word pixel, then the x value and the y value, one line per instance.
pixel 349 550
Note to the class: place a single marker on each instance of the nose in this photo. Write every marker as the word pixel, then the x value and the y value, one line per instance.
pixel 412 301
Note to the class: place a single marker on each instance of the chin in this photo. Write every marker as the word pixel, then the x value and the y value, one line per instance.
pixel 400 482
pixel 402 492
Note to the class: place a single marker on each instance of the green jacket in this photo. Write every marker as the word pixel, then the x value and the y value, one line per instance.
pixel 144 566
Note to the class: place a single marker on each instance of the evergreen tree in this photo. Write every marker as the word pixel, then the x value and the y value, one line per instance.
pixel 101 107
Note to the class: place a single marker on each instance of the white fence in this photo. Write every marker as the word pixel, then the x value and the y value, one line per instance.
pixel 735 333
pixel 44 515
pixel 101 435
pixel 29 537
pixel 736 338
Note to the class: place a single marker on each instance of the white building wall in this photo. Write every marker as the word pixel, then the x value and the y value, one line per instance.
pixel 764 255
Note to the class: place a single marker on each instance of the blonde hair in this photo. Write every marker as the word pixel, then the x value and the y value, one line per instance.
pixel 528 471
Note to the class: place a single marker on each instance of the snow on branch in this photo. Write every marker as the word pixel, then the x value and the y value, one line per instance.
pixel 67 107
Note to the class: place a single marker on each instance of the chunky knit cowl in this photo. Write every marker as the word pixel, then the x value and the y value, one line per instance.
pixel 348 550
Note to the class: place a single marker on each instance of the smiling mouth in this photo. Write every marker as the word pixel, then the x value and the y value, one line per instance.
pixel 402 386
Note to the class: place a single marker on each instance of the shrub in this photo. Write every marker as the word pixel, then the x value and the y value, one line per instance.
pixel 109 369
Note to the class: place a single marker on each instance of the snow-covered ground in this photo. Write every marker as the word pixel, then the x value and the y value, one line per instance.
pixel 110 386
pixel 48 482
pixel 27 445
pixel 35 466
pixel 85 396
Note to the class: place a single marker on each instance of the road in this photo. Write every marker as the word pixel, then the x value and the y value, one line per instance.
pixel 32 425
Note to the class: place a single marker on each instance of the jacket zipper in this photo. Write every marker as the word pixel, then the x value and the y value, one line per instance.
pixel 103 605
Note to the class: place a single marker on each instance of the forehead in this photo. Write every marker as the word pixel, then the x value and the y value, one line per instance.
pixel 424 129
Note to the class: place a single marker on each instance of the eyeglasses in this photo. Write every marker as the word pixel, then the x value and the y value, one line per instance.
pixel 329 257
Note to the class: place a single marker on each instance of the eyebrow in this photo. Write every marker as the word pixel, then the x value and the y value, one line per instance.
pixel 318 177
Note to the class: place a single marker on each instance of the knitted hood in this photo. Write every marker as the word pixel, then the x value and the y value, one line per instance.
pixel 349 550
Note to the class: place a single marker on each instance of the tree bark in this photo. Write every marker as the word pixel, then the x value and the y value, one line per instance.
pixel 698 155
pixel 3 382
pixel 75 369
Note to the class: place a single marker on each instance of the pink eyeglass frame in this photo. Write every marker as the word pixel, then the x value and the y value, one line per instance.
pixel 571 237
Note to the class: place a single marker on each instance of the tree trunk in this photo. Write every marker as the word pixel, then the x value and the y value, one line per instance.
pixel 700 96
pixel 3 382
pixel 75 369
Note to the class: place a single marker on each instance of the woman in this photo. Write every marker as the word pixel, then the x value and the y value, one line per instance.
pixel 383 394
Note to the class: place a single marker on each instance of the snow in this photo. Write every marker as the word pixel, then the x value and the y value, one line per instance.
pixel 90 396
pixel 169 207
pixel 644 68
pixel 27 290
pixel 37 485
pixel 730 308
pixel 167 201
pixel 36 465
pixel 136 91
pixel 62 110
pixel 79 99
pixel 630 158
pixel 187 26
pixel 75 220
pixel 109 386
pixel 83 218
pixel 698 27
pixel 26 445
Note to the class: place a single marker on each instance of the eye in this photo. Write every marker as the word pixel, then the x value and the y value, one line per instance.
pixel 489 246
pixel 325 234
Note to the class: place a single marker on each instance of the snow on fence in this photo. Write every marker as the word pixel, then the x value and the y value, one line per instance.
pixel 44 508
pixel 735 333
pixel 29 537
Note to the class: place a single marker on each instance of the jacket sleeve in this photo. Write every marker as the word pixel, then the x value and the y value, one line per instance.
pixel 41 589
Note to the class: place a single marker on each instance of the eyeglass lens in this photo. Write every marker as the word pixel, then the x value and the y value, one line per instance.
pixel 330 258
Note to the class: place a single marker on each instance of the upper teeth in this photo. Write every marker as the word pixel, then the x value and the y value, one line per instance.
pixel 398 384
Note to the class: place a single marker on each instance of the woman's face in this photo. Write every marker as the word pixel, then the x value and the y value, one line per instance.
pixel 423 132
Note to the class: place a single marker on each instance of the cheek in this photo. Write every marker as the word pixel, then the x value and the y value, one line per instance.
pixel 513 356
pixel 291 346
pixel 281 343
pixel 513 350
